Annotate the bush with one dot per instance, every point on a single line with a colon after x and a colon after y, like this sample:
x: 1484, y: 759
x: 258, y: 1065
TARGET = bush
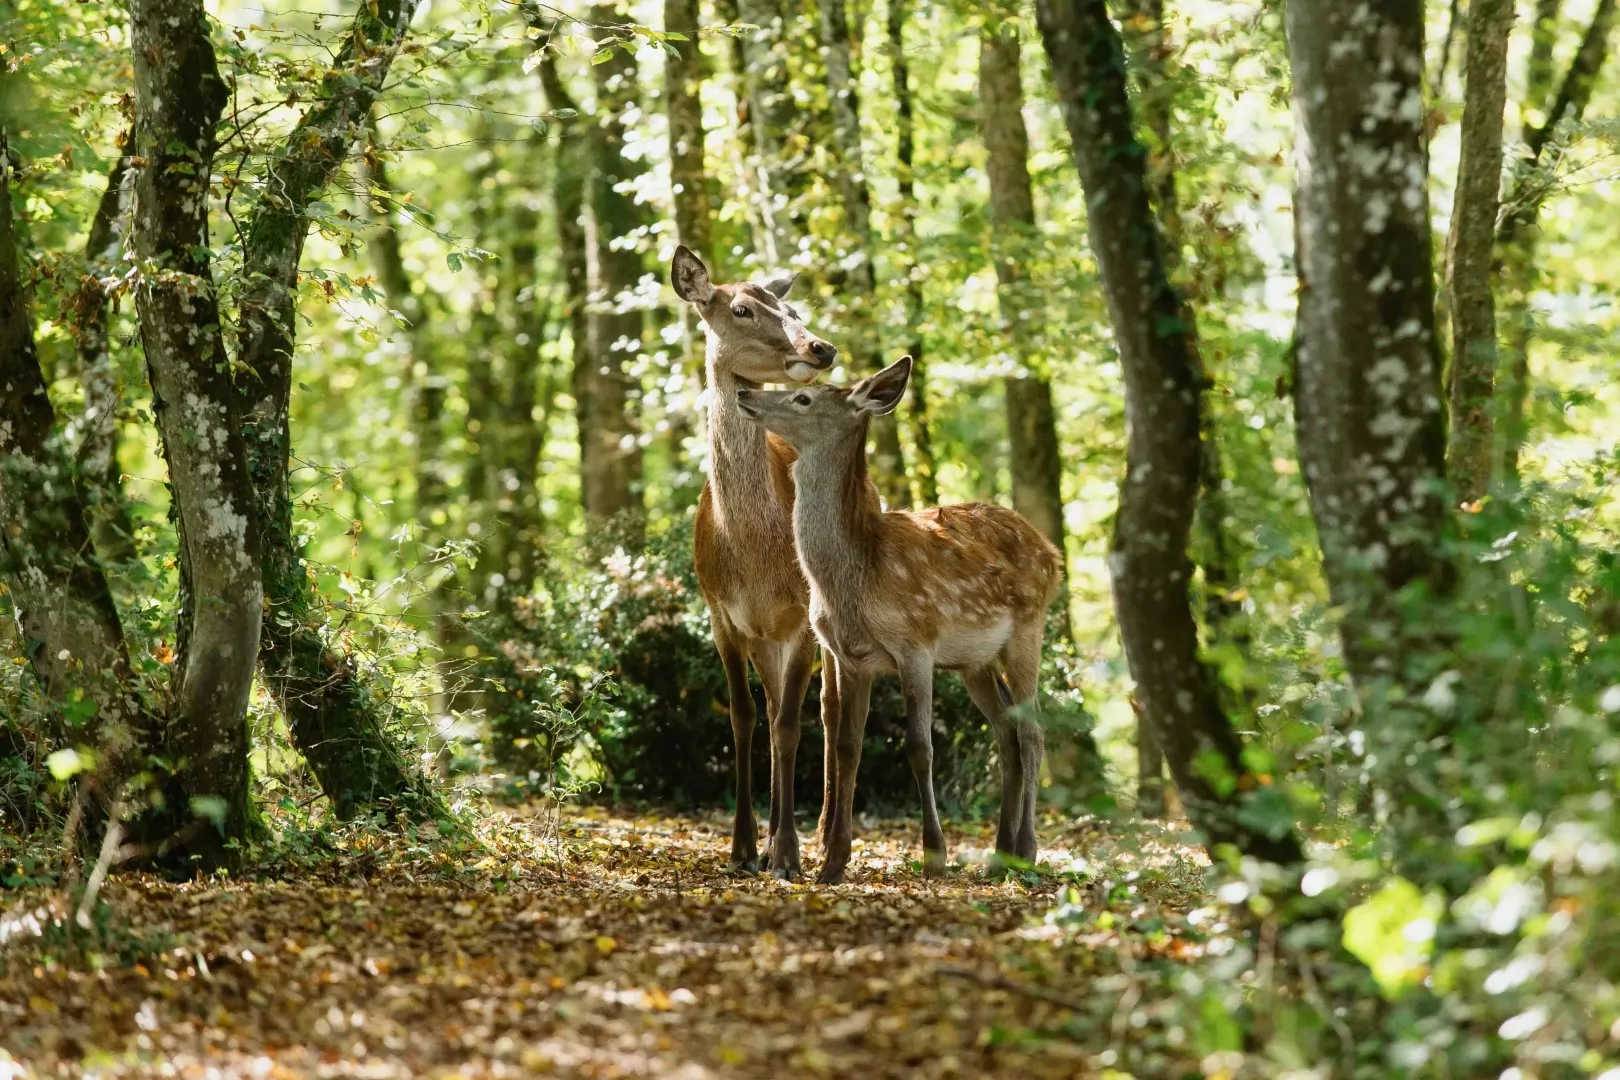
x: 607, y: 671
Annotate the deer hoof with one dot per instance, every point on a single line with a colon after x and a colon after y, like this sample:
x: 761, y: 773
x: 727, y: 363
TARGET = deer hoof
x: 786, y: 873
x: 743, y: 867
x: 933, y: 864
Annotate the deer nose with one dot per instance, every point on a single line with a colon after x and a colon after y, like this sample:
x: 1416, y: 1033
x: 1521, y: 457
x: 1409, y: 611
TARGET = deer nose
x: 823, y: 351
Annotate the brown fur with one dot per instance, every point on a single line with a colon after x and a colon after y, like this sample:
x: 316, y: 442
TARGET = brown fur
x: 963, y: 587
x: 746, y: 565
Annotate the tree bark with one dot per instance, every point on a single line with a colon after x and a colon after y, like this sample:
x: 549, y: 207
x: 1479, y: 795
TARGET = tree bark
x: 1367, y: 395
x: 773, y: 118
x: 1473, y: 233
x: 924, y: 467
x: 1151, y: 570
x: 179, y: 96
x: 480, y: 442
x: 97, y: 472
x: 1516, y: 235
x: 1036, y: 461
x: 689, y: 182
x: 568, y: 184
x: 683, y: 85
x: 517, y: 517
x: 70, y: 628
x: 1146, y: 37
x: 337, y: 722
x: 1538, y: 73
x: 856, y: 305
x: 425, y: 386
x: 609, y: 440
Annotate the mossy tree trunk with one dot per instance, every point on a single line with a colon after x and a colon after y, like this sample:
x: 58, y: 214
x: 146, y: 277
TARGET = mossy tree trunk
x: 1469, y: 250
x: 1516, y: 236
x: 337, y: 719
x: 1151, y: 569
x: 70, y: 630
x: 179, y: 96
x: 694, y: 217
x: 98, y: 473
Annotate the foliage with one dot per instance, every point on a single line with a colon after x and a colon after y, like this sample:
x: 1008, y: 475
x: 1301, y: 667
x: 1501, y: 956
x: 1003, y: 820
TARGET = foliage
x: 608, y: 673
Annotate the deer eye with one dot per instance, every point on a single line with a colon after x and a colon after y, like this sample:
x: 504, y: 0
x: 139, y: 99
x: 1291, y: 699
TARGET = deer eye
x: 801, y: 399
x: 741, y: 311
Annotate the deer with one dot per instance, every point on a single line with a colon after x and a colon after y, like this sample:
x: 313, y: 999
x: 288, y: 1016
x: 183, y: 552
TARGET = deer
x: 747, y: 568
x: 962, y: 587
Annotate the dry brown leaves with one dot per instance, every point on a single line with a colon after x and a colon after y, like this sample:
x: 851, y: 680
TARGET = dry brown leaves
x: 634, y: 955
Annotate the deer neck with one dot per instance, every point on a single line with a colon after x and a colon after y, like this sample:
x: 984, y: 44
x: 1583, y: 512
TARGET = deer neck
x: 739, y: 458
x: 835, y: 515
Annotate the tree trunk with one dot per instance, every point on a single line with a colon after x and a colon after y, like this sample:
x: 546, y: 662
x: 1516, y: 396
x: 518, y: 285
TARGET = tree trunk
x: 70, y: 629
x: 425, y: 387
x: 856, y: 304
x: 1539, y: 67
x: 1151, y: 570
x: 1367, y: 396
x: 779, y: 167
x: 97, y: 472
x: 1150, y: 802
x: 517, y: 516
x: 683, y: 84
x: 924, y: 467
x: 1036, y: 460
x: 611, y: 451
x: 480, y: 442
x: 179, y: 96
x: 1147, y: 39
x: 1473, y: 233
x: 1516, y: 235
x: 568, y: 185
x: 336, y: 721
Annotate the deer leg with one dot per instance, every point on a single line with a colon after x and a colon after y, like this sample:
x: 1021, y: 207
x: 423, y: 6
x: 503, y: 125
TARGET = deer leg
x: 917, y: 686
x: 767, y: 660
x: 983, y: 687
x: 795, y: 678
x: 744, y: 838
x: 829, y: 732
x: 854, y: 696
x: 1022, y: 659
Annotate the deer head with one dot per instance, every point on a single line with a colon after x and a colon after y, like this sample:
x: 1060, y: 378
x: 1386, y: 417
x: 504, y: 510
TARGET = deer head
x: 813, y: 417
x: 753, y: 332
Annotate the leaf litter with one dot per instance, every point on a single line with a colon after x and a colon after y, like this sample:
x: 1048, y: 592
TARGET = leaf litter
x: 608, y: 944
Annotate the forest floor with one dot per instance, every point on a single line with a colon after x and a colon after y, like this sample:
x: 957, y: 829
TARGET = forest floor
x: 606, y: 944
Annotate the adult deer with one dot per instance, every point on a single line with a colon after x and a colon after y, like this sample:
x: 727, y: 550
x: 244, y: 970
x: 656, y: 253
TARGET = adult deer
x: 743, y: 539
x: 961, y: 587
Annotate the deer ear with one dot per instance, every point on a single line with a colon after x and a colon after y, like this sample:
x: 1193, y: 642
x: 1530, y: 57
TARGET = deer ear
x: 879, y: 394
x: 781, y: 286
x: 690, y: 277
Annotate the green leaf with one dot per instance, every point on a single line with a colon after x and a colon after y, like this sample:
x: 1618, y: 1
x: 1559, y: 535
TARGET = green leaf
x: 65, y: 764
x: 453, y: 261
x: 1392, y: 932
x: 211, y: 807
x: 604, y: 53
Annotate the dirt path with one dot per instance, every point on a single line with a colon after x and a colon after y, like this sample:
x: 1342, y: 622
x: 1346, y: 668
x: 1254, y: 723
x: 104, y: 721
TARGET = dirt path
x: 636, y: 957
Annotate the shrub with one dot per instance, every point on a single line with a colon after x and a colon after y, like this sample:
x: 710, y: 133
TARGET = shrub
x: 613, y: 661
